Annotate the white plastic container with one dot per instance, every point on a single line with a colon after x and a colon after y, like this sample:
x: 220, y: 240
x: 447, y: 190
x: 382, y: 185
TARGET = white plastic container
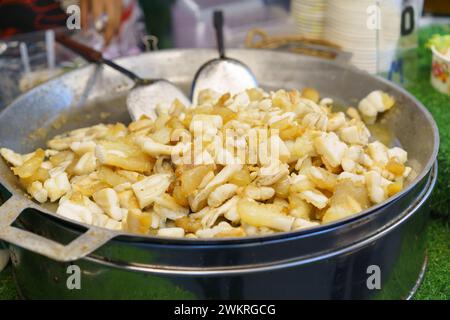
x: 440, y: 72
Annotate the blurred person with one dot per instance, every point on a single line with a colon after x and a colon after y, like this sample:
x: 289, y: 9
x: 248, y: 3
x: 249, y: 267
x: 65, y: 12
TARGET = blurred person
x: 117, y: 21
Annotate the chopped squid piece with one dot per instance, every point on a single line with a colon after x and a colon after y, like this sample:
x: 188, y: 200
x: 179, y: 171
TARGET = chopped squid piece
x: 138, y: 221
x: 38, y: 192
x: 330, y: 148
x: 151, y: 187
x: 376, y: 102
x: 315, y: 197
x: 221, y: 194
x: 253, y: 163
x: 108, y: 200
x: 57, y: 186
x: 259, y: 193
x: 262, y: 215
x: 171, y: 232
x: 10, y: 156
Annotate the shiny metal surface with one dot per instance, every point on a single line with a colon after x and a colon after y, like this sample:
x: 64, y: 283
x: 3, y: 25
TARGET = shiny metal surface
x: 83, y: 96
x: 143, y: 99
x: 146, y: 93
x: 399, y: 251
x: 223, y: 75
x: 419, y: 279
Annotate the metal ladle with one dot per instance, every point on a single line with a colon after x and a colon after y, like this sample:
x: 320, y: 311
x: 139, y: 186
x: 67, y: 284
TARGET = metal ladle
x: 146, y: 93
x: 223, y: 74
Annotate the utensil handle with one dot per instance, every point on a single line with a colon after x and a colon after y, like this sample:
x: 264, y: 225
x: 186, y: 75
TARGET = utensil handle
x: 86, y: 52
x: 85, y: 244
x: 93, y: 55
x: 218, y: 26
x: 133, y: 76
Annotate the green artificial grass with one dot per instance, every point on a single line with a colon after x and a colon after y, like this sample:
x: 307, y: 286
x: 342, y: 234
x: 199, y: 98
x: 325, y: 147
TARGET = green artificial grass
x: 436, y: 284
x: 439, y: 106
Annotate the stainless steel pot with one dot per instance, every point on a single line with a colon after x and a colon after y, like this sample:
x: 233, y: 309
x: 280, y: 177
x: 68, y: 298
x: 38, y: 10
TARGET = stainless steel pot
x: 335, y: 260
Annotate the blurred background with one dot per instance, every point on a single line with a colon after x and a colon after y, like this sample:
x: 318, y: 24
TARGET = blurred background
x: 388, y: 38
x: 379, y: 36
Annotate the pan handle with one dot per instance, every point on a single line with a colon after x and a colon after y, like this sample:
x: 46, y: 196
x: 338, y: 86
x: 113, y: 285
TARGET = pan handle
x: 85, y: 244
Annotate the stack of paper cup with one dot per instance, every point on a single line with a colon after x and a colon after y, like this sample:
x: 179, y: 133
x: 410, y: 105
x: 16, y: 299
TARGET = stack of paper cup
x: 309, y: 17
x: 369, y: 29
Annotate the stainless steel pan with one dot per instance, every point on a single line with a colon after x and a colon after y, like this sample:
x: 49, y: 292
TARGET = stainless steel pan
x: 83, y: 97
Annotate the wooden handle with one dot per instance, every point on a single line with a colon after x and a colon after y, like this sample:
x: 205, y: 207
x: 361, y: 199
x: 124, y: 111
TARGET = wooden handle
x: 95, y: 56
x: 86, y: 52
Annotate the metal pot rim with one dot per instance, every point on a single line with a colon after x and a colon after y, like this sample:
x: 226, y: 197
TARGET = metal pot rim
x: 317, y: 229
x: 273, y: 265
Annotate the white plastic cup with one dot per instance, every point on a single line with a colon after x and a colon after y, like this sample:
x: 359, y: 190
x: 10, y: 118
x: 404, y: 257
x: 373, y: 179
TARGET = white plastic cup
x: 440, y: 72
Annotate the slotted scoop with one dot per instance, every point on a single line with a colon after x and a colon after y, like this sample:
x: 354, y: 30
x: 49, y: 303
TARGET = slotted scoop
x: 223, y: 74
x: 146, y: 94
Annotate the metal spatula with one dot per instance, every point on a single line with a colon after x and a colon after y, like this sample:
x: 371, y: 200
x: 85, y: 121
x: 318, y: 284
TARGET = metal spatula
x: 145, y: 95
x: 223, y: 74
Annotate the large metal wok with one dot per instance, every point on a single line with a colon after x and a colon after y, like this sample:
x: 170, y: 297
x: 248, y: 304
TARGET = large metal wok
x: 330, y: 261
